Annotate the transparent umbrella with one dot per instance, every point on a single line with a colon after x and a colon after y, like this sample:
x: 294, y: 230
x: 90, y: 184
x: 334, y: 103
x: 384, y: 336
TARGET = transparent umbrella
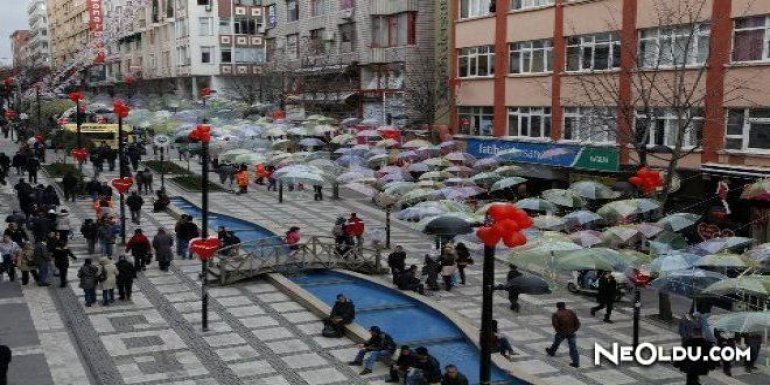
x: 549, y: 222
x: 536, y: 204
x: 506, y: 183
x: 343, y: 139
x: 460, y: 157
x: 678, y: 221
x: 508, y: 171
x: 716, y: 245
x: 593, y: 190
x: 561, y: 197
x: 543, y: 252
x: 582, y: 217
x: 438, y: 162
x: 417, y: 143
x: 724, y: 260
x: 744, y: 322
x: 687, y: 282
x: 311, y: 142
x: 757, y: 285
x: 593, y: 259
x: 486, y: 178
x: 673, y: 262
x: 418, y: 167
x: 587, y: 238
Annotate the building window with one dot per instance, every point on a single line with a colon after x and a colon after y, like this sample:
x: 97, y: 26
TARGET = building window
x: 525, y: 4
x: 245, y: 26
x: 292, y: 46
x: 476, y: 61
x: 748, y: 129
x: 317, y: 41
x: 393, y: 30
x: 317, y: 7
x: 476, y: 120
x: 473, y: 8
x: 597, y: 52
x: 347, y: 37
x: 675, y: 46
x: 530, y: 122
x: 204, y: 2
x: 249, y: 55
x: 531, y: 56
x: 666, y: 123
x: 347, y: 4
x: 226, y: 55
x: 205, y: 26
x: 590, y: 124
x: 751, y: 39
x: 206, y: 54
x: 292, y: 10
x: 224, y: 26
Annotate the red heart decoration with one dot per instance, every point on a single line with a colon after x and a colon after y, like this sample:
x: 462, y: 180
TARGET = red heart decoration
x: 501, y: 211
x: 80, y: 154
x: 488, y: 235
x: 201, y: 133
x: 514, y: 239
x: 123, y: 184
x: 204, y: 248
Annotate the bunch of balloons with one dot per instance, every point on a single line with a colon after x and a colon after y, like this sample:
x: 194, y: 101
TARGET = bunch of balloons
x: 646, y: 180
x: 121, y: 109
x: 505, y: 223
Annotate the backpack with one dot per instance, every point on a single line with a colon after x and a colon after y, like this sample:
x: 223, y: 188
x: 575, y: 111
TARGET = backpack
x: 329, y: 331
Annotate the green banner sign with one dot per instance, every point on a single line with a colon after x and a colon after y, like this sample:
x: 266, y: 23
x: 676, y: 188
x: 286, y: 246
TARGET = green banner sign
x: 598, y: 158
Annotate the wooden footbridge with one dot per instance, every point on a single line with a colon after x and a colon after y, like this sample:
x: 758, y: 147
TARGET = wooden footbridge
x: 271, y: 255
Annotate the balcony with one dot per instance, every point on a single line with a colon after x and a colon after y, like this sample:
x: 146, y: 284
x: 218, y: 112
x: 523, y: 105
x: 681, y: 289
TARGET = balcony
x: 392, y: 7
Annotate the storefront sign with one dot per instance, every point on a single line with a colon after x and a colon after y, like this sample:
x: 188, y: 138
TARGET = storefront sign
x: 549, y: 154
x: 95, y: 16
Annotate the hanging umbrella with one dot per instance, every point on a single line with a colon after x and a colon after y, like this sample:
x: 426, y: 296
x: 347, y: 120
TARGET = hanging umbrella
x: 541, y: 252
x: 756, y: 285
x: 362, y: 189
x: 548, y: 222
x: 760, y: 253
x: 508, y: 171
x: 311, y: 142
x: 486, y: 178
x: 368, y: 134
x: 506, y: 183
x: 416, y: 213
x: 447, y: 225
x: 688, y: 282
x: 350, y: 161
x: 487, y: 163
x: 344, y: 139
x: 483, y: 209
x: 593, y: 190
x: 723, y: 260
x: 230, y: 155
x: 528, y: 284
x: 250, y: 159
x: 435, y: 175
x: 304, y: 177
x: 408, y: 155
x: 275, y: 131
x: 460, y: 157
x: 589, y: 259
x: 586, y: 238
x: 459, y: 169
x: 716, y: 245
x: 744, y: 322
x: 437, y: 162
x: 536, y: 204
x: 624, y: 208
x: 325, y: 129
x: 649, y: 230
x: 678, y: 221
x: 354, y: 176
x: 561, y: 197
x: 418, y: 195
x: 418, y: 167
x: 673, y: 262
x: 387, y: 143
x: 581, y: 217
x: 759, y: 191
x: 417, y: 143
x: 281, y: 144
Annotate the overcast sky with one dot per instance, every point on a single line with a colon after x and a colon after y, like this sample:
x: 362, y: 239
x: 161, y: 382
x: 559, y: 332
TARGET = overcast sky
x: 13, y: 16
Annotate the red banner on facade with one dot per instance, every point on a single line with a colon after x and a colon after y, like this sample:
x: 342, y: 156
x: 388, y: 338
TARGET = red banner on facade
x: 95, y: 17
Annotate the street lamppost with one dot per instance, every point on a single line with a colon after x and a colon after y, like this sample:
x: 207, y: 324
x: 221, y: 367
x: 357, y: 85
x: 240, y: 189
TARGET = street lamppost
x: 202, y: 133
x: 121, y: 110
x: 161, y: 143
x: 388, y: 209
x: 76, y: 97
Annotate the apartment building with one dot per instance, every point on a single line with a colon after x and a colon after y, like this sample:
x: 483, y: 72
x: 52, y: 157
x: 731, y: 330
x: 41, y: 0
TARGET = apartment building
x: 349, y: 57
x: 68, y: 27
x: 186, y: 45
x: 20, y: 47
x: 39, y: 48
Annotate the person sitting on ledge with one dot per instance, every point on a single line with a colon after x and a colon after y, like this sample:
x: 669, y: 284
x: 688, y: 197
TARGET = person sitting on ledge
x: 380, y: 346
x: 343, y: 313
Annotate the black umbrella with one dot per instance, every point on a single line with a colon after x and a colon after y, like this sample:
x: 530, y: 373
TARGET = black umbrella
x: 447, y: 226
x: 528, y: 284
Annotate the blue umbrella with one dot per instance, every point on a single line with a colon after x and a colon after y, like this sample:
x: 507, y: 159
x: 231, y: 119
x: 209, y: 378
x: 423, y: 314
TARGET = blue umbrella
x: 688, y: 282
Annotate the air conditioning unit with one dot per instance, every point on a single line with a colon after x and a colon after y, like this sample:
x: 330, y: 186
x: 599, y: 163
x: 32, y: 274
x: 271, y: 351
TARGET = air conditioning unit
x: 346, y: 13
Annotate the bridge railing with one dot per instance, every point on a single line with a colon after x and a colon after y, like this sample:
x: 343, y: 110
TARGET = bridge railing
x: 269, y: 255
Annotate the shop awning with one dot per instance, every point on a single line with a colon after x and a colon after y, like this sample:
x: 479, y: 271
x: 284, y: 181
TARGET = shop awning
x: 746, y: 172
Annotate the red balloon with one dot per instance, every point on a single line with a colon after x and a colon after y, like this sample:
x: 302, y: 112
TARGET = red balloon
x: 204, y: 248
x: 201, y: 133
x: 656, y: 179
x: 488, y: 235
x: 636, y: 181
x: 507, y: 226
x: 522, y: 218
x: 515, y: 239
x: 501, y: 211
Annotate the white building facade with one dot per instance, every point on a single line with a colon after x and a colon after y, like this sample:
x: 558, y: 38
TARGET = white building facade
x: 39, y: 44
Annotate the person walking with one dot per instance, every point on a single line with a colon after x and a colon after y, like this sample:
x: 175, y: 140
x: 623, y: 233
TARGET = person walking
x: 148, y: 181
x: 107, y: 233
x: 452, y: 376
x: 694, y: 368
x: 397, y: 262
x: 5, y: 360
x: 70, y: 186
x: 88, y: 274
x: 140, y: 249
x: 125, y: 278
x: 135, y: 203
x: 89, y: 231
x: 318, y: 194
x: 356, y: 228
x: 752, y: 340
x: 42, y: 259
x: 513, y: 293
x: 379, y: 346
x: 9, y: 254
x: 162, y: 244
x: 107, y: 278
x: 33, y: 166
x: 111, y: 156
x: 463, y: 260
x: 565, y: 323
x: 61, y: 259
x: 448, y: 268
x: 63, y: 226
x: 26, y: 262
x: 608, y: 287
x: 139, y: 179
x: 225, y: 173
x: 242, y: 176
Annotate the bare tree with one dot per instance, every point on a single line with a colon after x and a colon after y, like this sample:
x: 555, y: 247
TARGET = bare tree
x: 667, y: 84
x: 427, y: 92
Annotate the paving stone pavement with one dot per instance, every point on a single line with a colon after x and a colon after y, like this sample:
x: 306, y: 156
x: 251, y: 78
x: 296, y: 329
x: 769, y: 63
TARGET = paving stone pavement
x: 258, y: 336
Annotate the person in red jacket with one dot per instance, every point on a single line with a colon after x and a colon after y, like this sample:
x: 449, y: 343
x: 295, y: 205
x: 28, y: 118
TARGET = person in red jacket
x: 292, y: 238
x: 355, y: 228
x: 140, y: 248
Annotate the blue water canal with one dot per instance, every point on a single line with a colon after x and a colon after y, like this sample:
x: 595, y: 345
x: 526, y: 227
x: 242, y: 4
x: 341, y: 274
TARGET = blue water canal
x: 409, y: 321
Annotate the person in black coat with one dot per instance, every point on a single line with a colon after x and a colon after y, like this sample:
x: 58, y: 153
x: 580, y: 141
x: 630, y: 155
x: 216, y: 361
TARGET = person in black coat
x: 513, y: 294
x: 5, y: 360
x: 397, y: 262
x: 608, y: 287
x: 125, y: 278
x: 61, y: 256
x: 135, y: 203
x: 694, y: 369
x: 70, y: 186
x: 343, y: 313
x: 94, y: 188
x: 429, y: 369
x: 33, y: 166
x: 453, y: 377
x: 405, y: 360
